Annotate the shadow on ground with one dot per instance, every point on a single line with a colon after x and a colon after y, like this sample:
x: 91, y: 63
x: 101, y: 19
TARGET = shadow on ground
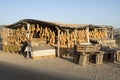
x: 14, y: 72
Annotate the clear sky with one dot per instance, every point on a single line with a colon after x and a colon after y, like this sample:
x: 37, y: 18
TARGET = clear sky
x: 99, y: 12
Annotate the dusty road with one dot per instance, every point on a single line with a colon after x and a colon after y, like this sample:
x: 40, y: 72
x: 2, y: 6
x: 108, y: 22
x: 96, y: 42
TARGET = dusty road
x: 16, y: 67
x: 14, y: 72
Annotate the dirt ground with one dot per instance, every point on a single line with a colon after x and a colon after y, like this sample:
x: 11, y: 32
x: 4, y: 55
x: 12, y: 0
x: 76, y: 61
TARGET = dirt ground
x: 106, y: 71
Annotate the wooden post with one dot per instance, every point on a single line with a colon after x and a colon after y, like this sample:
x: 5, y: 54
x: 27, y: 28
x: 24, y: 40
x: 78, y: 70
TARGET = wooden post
x: 88, y: 38
x: 112, y: 33
x: 75, y: 36
x: 84, y: 59
x: 58, y: 43
x: 118, y: 55
x: 28, y: 28
x: 68, y: 44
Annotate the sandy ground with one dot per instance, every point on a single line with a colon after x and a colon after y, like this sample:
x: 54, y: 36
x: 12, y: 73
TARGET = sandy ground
x: 106, y: 71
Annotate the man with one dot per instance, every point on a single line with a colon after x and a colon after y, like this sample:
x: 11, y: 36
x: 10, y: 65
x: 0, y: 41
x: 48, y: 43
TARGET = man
x: 28, y: 49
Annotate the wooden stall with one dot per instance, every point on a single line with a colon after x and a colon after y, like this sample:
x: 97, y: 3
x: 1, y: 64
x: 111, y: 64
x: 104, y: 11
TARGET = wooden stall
x: 63, y: 37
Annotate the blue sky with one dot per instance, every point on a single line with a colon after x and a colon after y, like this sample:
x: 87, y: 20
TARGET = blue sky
x: 99, y: 12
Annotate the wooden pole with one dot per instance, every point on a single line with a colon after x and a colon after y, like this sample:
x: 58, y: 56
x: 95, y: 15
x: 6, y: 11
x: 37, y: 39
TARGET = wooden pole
x: 112, y: 34
x: 68, y: 44
x: 88, y: 38
x: 28, y: 28
x: 58, y: 43
x: 75, y: 36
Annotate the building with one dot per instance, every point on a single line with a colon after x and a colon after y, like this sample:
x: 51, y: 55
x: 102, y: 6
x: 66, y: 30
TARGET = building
x: 61, y: 36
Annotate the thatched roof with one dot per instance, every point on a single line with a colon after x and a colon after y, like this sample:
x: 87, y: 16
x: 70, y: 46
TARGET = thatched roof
x: 47, y: 23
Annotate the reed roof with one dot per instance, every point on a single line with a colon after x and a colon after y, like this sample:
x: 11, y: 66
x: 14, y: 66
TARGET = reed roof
x: 48, y: 23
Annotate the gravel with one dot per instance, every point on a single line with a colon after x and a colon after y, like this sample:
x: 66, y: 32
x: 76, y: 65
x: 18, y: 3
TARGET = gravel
x: 106, y: 71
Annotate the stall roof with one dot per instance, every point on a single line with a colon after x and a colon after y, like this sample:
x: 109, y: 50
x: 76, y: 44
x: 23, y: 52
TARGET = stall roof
x: 62, y: 25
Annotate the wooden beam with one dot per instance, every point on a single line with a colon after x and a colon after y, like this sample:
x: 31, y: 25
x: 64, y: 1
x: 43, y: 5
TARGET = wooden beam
x: 112, y: 34
x: 88, y: 38
x: 58, y: 43
x: 75, y: 36
x: 68, y: 44
x: 28, y: 32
